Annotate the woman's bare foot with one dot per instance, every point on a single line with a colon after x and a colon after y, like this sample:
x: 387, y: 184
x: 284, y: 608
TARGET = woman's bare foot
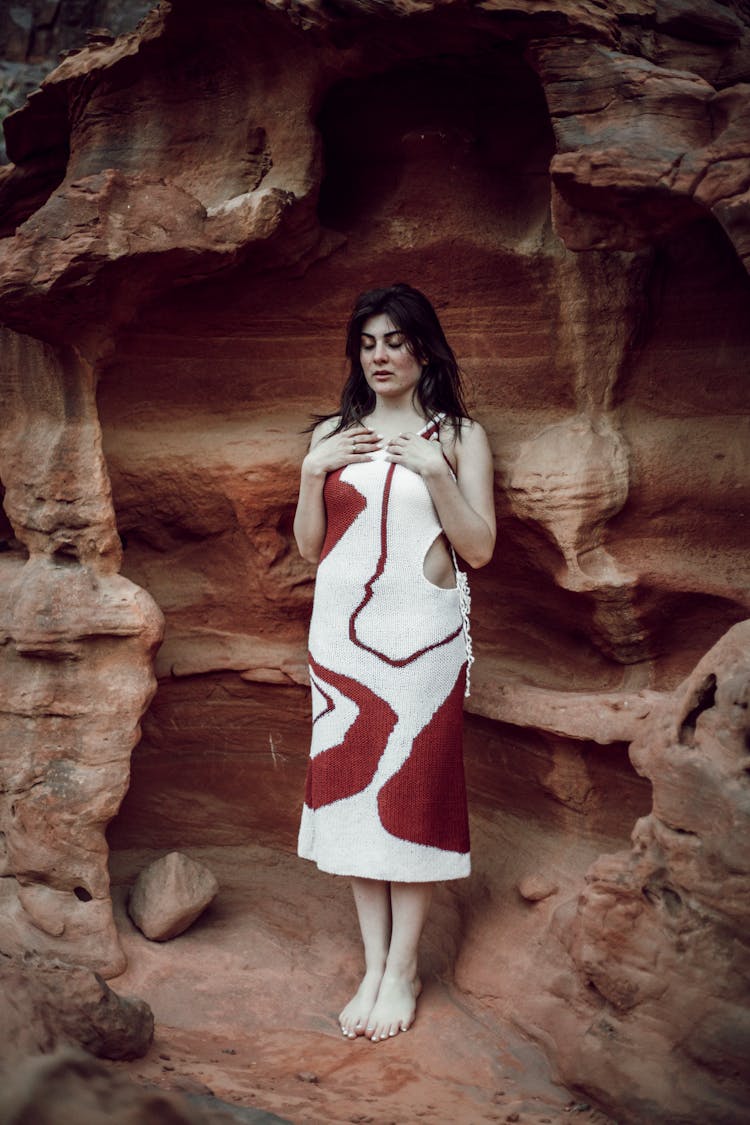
x: 395, y: 1008
x: 354, y: 1017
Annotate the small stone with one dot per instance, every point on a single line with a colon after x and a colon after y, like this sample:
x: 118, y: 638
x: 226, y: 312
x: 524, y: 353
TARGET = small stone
x: 228, y: 1051
x: 534, y: 888
x: 170, y: 894
x: 308, y: 1076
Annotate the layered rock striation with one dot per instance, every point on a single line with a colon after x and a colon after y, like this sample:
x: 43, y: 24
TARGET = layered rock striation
x: 188, y: 212
x: 645, y: 977
x: 77, y: 651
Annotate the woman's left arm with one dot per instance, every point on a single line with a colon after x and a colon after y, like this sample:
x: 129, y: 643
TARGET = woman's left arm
x: 465, y: 504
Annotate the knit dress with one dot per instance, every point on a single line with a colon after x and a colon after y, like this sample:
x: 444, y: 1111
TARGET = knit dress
x: 385, y: 796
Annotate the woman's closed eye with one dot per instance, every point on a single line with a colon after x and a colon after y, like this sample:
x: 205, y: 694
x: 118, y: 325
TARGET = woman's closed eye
x: 394, y: 343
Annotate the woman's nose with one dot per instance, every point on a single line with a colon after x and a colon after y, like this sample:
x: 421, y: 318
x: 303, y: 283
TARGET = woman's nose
x: 381, y: 353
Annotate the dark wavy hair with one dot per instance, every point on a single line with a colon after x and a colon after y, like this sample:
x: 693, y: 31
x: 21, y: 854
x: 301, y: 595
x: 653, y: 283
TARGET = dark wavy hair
x: 439, y: 390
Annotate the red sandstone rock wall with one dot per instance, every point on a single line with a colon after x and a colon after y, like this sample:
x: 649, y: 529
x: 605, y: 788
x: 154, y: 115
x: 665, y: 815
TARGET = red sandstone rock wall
x: 188, y: 215
x: 77, y: 649
x: 642, y: 984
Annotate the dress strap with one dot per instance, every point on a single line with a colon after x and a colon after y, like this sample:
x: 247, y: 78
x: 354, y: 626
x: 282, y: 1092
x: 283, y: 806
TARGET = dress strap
x: 431, y: 429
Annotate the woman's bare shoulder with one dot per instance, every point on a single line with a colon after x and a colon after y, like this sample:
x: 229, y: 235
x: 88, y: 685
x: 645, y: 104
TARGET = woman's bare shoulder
x: 470, y: 444
x: 471, y: 426
x: 467, y: 430
x: 324, y: 429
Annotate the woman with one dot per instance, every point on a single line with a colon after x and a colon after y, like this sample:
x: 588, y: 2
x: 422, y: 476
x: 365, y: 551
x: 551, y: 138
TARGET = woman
x: 391, y: 486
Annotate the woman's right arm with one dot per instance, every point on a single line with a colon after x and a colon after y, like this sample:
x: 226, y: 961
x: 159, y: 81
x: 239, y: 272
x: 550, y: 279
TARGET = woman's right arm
x: 326, y: 454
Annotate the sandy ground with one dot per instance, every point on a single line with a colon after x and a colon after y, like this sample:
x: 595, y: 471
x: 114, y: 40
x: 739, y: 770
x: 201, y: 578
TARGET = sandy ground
x: 245, y: 1004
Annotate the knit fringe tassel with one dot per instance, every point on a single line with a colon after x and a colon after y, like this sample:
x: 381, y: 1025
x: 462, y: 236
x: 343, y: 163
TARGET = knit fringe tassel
x: 464, y: 601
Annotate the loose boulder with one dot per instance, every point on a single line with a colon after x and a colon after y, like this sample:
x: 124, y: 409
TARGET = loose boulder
x: 170, y: 894
x: 537, y: 887
x: 47, y: 1003
x: 71, y: 1086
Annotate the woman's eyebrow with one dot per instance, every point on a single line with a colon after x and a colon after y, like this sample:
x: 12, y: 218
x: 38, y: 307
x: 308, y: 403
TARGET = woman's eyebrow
x: 393, y: 332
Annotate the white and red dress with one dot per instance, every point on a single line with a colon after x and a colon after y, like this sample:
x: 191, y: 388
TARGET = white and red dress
x: 385, y: 795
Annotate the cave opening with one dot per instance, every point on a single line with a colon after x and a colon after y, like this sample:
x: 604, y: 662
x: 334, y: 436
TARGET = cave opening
x: 703, y: 699
x: 10, y: 546
x: 417, y: 141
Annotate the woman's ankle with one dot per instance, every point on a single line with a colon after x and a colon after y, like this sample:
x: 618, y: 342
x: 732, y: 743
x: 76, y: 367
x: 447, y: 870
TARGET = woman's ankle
x: 400, y: 969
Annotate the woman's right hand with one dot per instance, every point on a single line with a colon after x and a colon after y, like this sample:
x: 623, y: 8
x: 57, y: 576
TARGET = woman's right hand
x: 346, y: 448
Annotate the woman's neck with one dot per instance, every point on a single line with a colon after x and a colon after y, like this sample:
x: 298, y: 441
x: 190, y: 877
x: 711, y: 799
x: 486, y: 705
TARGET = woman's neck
x: 390, y: 417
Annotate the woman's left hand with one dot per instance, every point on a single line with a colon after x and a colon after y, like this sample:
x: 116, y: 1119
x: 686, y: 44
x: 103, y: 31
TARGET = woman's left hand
x: 417, y: 453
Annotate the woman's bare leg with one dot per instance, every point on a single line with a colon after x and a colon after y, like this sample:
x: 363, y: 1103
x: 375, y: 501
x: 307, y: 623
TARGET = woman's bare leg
x: 400, y: 986
x: 373, y: 902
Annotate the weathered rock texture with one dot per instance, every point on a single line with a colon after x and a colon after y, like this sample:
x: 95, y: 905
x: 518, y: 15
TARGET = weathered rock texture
x: 645, y: 986
x: 47, y: 1004
x: 77, y: 641
x: 170, y: 894
x: 70, y: 1086
x: 188, y: 214
x: 35, y: 34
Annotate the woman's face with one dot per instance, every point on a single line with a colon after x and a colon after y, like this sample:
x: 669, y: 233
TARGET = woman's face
x: 391, y: 368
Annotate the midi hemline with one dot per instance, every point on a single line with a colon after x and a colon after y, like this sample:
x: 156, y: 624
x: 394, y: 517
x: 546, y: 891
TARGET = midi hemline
x: 382, y: 877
